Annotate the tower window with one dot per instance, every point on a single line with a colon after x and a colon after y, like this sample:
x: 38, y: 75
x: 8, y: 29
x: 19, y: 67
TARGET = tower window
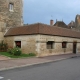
x: 11, y: 6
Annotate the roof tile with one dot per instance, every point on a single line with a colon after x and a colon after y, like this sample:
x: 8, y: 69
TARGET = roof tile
x: 40, y: 28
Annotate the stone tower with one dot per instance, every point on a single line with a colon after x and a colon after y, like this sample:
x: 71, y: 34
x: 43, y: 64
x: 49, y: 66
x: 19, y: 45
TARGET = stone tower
x: 11, y: 13
x: 77, y: 22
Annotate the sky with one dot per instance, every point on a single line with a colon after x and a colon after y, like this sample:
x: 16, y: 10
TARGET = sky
x: 43, y: 11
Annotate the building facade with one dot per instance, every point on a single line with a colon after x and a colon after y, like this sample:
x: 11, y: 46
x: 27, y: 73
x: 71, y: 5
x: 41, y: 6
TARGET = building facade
x: 44, y: 40
x: 44, y: 45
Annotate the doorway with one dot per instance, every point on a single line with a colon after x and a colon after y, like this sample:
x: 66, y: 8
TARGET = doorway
x: 74, y: 47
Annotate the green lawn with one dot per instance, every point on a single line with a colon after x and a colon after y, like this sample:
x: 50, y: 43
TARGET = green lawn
x: 12, y: 56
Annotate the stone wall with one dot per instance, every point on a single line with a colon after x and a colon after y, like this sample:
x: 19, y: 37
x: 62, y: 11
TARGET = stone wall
x: 37, y: 44
x: 1, y: 36
x: 58, y: 45
x: 2, y: 26
x: 11, y: 18
x: 2, y: 30
x: 77, y: 22
x: 28, y: 43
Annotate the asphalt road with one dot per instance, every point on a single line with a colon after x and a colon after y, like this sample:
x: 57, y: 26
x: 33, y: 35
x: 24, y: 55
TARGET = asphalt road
x: 62, y: 70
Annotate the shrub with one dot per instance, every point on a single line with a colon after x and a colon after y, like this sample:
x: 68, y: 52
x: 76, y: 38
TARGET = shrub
x: 15, y: 51
x: 3, y: 46
x: 9, y: 51
x: 32, y: 54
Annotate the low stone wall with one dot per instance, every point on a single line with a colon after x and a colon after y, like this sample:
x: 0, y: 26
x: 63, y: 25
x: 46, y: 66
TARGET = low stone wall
x: 37, y: 44
x: 28, y: 43
x: 57, y: 49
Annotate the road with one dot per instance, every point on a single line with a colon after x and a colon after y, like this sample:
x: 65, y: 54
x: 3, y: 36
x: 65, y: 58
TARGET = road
x: 62, y: 70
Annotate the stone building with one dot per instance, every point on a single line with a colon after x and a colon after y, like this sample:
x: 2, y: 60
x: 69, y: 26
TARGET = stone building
x: 71, y: 25
x: 11, y: 15
x: 74, y: 25
x: 77, y: 22
x: 11, y: 12
x: 38, y: 38
x: 44, y: 39
x: 60, y: 24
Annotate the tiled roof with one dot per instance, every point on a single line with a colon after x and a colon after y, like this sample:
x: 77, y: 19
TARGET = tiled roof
x: 71, y: 24
x: 40, y: 28
x: 60, y: 24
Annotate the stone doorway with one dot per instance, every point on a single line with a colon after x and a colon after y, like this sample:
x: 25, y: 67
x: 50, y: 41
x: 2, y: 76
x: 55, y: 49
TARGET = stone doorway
x: 74, y: 47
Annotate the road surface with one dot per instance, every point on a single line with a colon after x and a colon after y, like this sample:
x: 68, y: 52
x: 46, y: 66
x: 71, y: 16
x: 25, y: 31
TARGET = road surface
x: 62, y: 70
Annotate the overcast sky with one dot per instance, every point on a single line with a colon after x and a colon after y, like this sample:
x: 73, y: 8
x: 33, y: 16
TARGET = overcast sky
x: 43, y: 10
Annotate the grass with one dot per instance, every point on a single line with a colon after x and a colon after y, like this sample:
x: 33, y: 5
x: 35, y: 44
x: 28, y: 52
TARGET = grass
x: 13, y: 56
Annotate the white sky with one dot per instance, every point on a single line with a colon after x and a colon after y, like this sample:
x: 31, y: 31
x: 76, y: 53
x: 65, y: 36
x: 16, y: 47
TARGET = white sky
x: 42, y: 10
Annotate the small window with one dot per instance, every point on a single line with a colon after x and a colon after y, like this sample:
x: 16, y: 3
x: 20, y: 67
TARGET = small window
x: 64, y: 44
x: 50, y: 44
x: 11, y: 6
x: 18, y: 44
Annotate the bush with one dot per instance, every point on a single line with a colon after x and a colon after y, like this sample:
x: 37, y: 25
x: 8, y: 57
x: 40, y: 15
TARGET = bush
x: 3, y: 46
x: 32, y: 54
x: 9, y: 51
x: 15, y: 51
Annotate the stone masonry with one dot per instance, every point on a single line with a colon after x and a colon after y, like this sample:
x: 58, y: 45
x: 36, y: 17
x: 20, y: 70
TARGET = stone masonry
x: 12, y: 18
x: 77, y: 22
x: 11, y: 12
x: 37, y: 44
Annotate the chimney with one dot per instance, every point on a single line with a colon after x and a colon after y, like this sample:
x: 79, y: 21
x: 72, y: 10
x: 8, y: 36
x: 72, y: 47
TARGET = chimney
x: 51, y: 22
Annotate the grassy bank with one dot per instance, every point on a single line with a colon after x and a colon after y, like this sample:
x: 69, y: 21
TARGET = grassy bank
x: 13, y: 56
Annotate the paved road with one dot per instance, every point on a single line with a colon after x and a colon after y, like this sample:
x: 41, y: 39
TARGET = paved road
x: 12, y: 63
x: 62, y: 70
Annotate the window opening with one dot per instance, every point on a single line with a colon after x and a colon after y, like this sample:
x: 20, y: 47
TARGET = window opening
x: 18, y: 44
x: 11, y: 6
x: 50, y: 44
x: 64, y: 44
